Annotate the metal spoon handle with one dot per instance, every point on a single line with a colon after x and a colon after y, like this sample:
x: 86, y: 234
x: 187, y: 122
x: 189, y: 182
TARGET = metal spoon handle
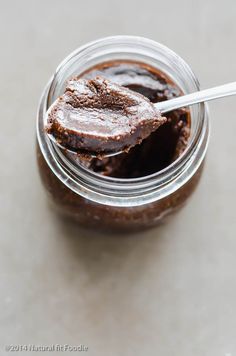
x: 197, y: 97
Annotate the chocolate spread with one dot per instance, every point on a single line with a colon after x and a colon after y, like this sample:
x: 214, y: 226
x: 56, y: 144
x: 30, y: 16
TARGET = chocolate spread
x: 99, y: 117
x: 155, y: 153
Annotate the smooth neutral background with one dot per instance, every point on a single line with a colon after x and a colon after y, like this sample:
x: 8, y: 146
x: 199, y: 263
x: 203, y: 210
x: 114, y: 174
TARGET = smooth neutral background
x: 169, y: 291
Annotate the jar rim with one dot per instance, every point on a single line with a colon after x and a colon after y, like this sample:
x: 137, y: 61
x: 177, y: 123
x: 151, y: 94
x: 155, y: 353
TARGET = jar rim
x: 108, y: 185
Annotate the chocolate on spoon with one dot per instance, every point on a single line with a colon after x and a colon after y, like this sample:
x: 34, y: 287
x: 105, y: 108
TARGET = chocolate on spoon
x: 99, y: 118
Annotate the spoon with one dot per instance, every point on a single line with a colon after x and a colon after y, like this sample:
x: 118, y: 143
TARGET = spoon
x: 169, y: 105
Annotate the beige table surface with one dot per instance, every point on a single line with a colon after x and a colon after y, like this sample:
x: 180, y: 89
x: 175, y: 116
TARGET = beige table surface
x: 169, y: 291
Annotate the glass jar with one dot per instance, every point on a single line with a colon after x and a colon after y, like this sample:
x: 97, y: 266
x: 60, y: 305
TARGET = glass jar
x: 128, y: 204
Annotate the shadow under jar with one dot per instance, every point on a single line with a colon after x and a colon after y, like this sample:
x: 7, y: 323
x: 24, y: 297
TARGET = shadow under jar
x: 140, y: 188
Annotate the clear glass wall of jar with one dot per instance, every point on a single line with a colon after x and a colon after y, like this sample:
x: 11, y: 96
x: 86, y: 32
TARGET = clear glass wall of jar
x: 98, y: 201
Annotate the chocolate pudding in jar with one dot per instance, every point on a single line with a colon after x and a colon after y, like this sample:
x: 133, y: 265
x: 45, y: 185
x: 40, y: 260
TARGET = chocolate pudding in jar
x: 139, y: 188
